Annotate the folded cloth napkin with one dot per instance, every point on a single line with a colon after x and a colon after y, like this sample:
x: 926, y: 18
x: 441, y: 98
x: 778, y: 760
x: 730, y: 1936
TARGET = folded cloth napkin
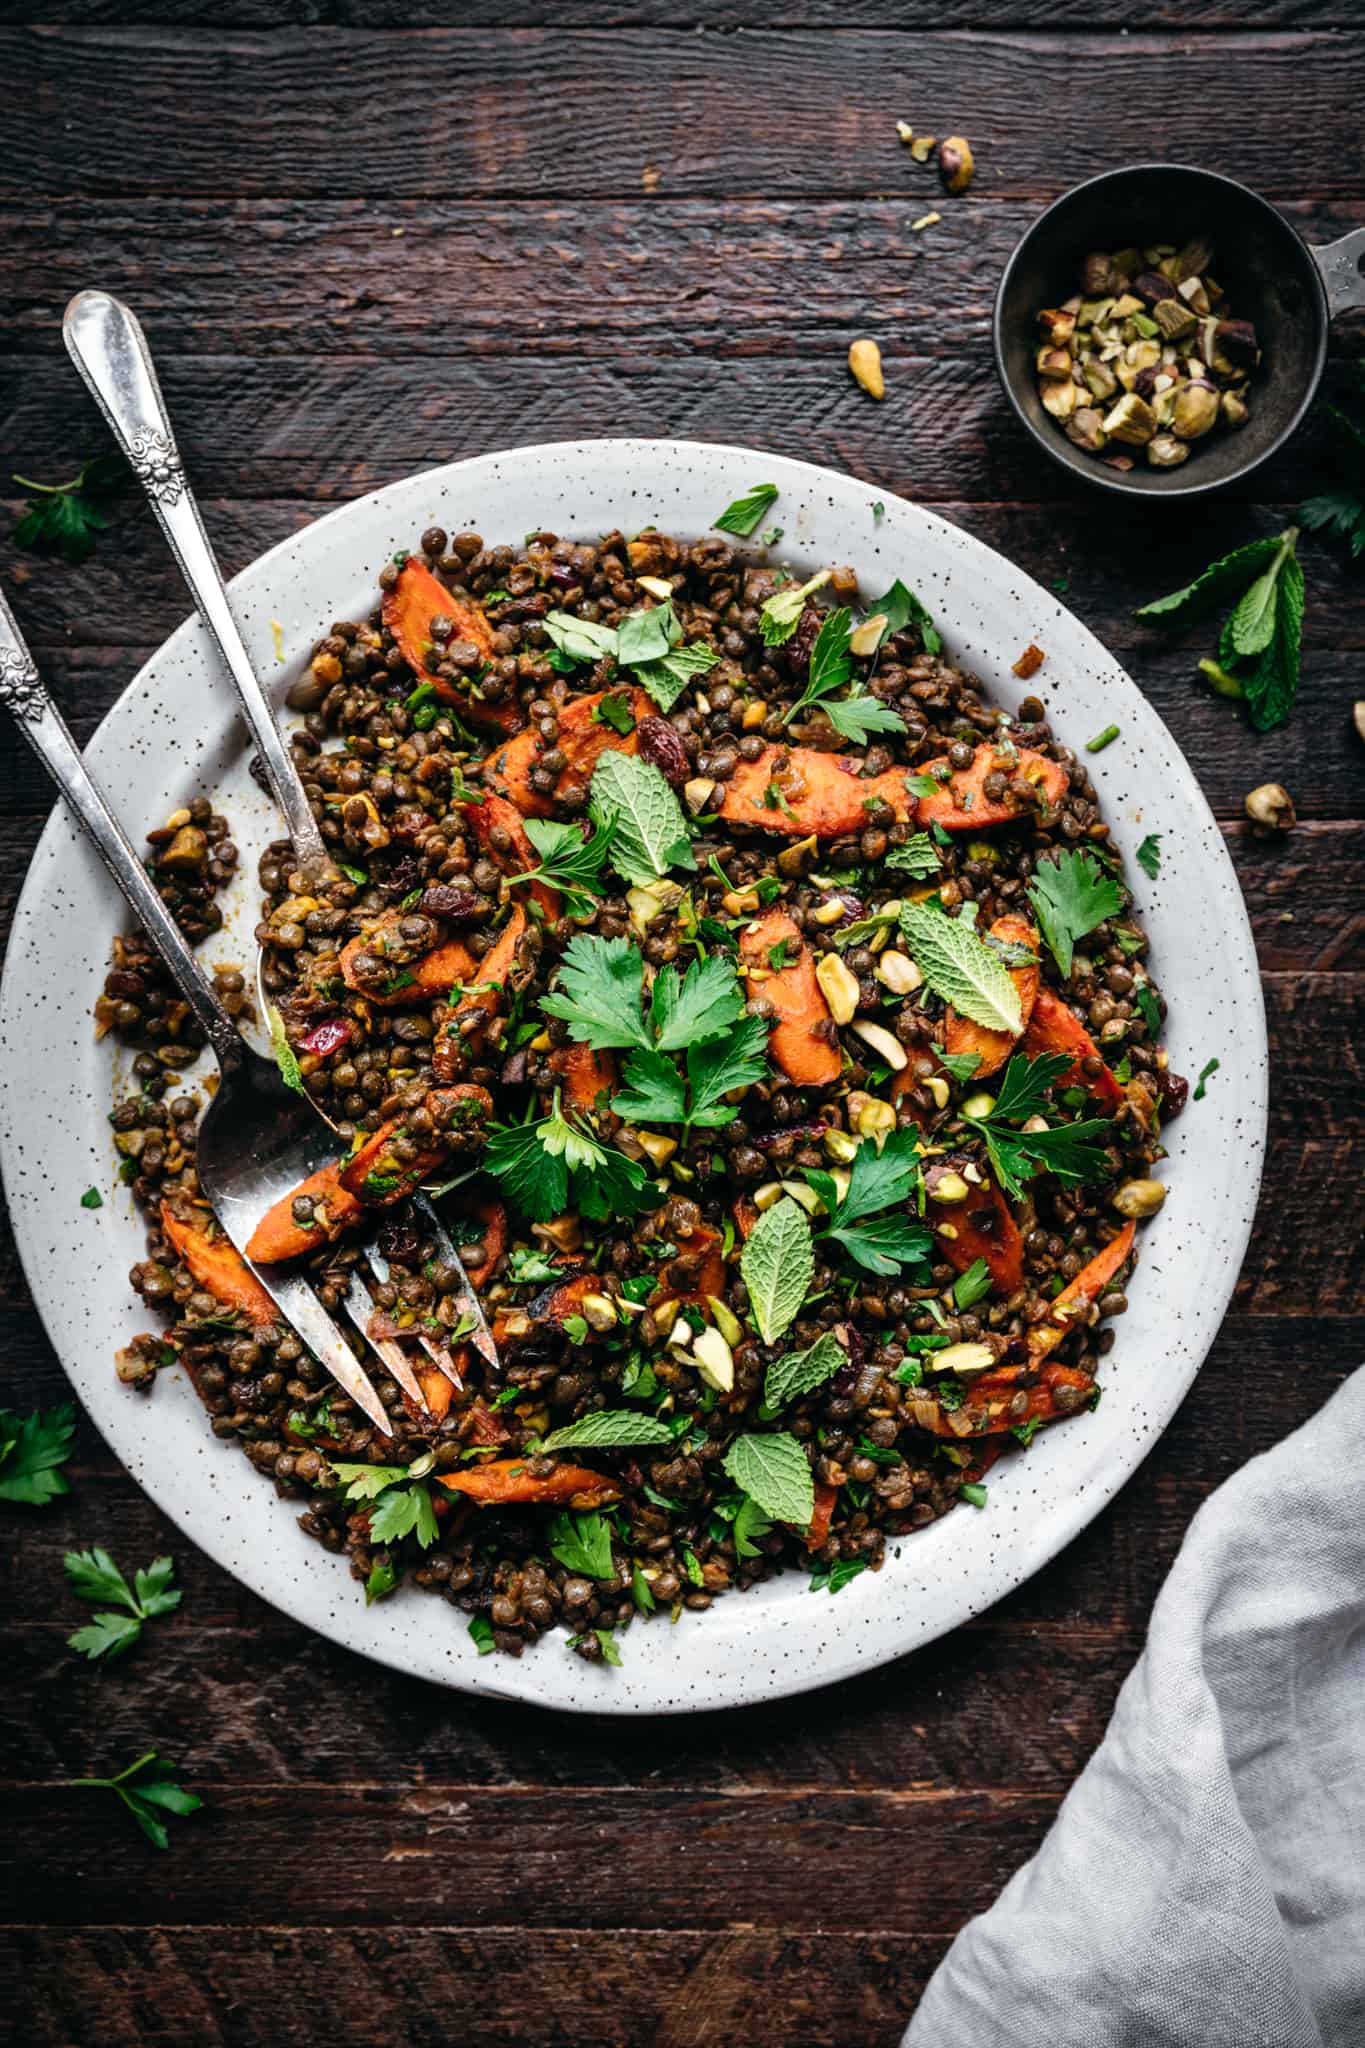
x: 1204, y: 1882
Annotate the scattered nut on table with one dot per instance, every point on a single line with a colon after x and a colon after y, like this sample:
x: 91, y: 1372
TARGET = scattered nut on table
x: 1146, y: 355
x: 955, y: 162
x: 865, y: 361
x: 1358, y: 717
x: 1271, y: 807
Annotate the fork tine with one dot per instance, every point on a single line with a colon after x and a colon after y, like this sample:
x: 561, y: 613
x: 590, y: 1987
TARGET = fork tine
x: 437, y: 1353
x: 467, y: 1301
x: 360, y: 1305
x: 311, y: 1323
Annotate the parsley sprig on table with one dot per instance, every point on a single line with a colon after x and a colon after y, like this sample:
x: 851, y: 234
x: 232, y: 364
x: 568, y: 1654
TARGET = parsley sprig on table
x: 33, y: 1448
x: 148, y: 1791
x: 1259, y: 645
x: 65, y: 519
x: 94, y: 1576
x: 1072, y: 1152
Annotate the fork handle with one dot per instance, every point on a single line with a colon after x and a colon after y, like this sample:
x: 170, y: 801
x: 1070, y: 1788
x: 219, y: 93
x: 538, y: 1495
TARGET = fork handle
x: 106, y: 343
x: 26, y: 697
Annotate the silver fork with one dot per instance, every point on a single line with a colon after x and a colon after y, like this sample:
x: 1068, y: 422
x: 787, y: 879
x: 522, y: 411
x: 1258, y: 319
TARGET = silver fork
x: 106, y: 343
x: 258, y: 1139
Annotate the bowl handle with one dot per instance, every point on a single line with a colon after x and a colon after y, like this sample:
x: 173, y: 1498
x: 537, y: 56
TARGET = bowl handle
x: 1339, y: 265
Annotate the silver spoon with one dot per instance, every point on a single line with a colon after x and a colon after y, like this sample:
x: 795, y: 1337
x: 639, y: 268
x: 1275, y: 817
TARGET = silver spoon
x: 106, y: 343
x: 258, y: 1139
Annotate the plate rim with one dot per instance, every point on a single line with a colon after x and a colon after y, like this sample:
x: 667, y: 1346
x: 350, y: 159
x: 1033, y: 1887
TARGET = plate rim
x: 1068, y: 1514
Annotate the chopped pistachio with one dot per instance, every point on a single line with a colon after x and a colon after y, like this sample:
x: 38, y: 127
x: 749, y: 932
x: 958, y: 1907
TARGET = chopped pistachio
x: 923, y: 147
x: 1195, y: 410
x: 1132, y: 420
x: 955, y: 163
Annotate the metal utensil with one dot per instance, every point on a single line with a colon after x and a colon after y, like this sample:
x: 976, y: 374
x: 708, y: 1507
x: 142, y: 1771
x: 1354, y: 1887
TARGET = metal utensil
x: 258, y: 1139
x: 1290, y: 292
x: 106, y: 343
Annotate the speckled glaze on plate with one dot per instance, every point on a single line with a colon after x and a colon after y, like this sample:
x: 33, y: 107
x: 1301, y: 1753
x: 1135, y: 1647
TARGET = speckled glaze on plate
x: 175, y: 732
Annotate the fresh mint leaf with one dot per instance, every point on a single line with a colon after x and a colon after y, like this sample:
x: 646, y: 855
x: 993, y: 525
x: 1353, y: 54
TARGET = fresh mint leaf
x: 580, y: 640
x: 800, y: 1372
x: 777, y: 1263
x: 1220, y: 580
x: 961, y: 969
x: 1251, y: 625
x: 743, y: 514
x: 775, y: 1473
x: 610, y: 1427
x: 973, y: 1285
x: 749, y: 1524
x: 1272, y: 686
x: 960, y: 1065
x: 614, y: 710
x: 651, y: 833
x: 919, y: 857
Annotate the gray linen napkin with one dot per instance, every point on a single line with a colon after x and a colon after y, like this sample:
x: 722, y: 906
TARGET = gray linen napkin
x: 1204, y: 1883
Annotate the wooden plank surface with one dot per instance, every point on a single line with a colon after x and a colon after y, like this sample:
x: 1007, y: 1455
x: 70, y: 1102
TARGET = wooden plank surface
x: 365, y: 242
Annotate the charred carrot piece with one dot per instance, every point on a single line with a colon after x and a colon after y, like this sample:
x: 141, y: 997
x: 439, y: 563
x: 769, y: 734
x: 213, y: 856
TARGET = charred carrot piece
x: 495, y: 815
x: 278, y: 1237
x: 587, y: 1075
x: 495, y: 966
x: 993, y: 1404
x: 1054, y: 1027
x: 486, y: 1216
x: 699, y: 1269
x: 801, y: 1014
x: 798, y: 790
x: 376, y: 1178
x: 218, y: 1267
x: 1085, y: 1290
x: 961, y: 803
x: 504, y: 1481
x: 415, y: 600
x: 818, y: 1532
x: 444, y: 968
x: 983, y: 1227
x: 508, y: 773
x: 584, y: 738
x: 993, y: 1048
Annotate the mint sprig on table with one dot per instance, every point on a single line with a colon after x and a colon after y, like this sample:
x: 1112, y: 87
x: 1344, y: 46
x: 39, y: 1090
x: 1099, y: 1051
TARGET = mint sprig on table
x: 1260, y: 642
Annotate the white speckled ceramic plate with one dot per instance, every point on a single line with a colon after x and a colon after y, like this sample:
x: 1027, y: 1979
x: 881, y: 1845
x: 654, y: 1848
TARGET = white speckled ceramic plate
x: 174, y: 732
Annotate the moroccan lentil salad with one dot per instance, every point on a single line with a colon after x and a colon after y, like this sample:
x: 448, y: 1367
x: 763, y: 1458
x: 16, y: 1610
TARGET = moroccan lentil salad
x: 771, y: 1014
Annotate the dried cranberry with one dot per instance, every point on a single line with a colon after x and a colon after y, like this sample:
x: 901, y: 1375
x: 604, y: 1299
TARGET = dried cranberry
x: 456, y: 906
x: 409, y: 823
x: 399, y: 1238
x: 661, y: 745
x: 1175, y: 1093
x: 324, y: 1038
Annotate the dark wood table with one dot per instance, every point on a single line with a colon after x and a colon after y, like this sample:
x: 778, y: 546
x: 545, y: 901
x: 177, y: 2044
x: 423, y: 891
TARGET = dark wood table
x: 364, y: 249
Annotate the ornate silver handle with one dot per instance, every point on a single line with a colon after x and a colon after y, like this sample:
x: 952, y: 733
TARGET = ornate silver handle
x: 108, y: 347
x: 1341, y: 265
x: 26, y: 697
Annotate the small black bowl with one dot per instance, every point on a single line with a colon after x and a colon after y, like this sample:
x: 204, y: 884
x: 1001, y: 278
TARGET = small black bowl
x: 1288, y: 291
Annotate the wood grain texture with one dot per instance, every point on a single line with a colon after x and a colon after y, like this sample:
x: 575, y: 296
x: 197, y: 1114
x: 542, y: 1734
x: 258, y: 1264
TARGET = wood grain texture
x: 807, y: 111
x: 612, y: 220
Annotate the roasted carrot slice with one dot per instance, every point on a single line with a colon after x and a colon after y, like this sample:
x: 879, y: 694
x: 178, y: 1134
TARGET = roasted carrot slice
x: 444, y: 968
x: 504, y: 1481
x: 961, y: 803
x: 219, y: 1268
x: 799, y: 790
x: 818, y: 1531
x: 698, y: 1270
x: 496, y: 815
x: 437, y: 1391
x: 1055, y: 1027
x: 588, y: 1076
x: 1087, y: 1287
x: 961, y: 1035
x: 277, y: 1236
x: 377, y: 1179
x: 993, y: 1405
x: 415, y: 600
x: 484, y: 1221
x: 796, y: 1040
x: 983, y: 1227
x: 495, y: 966
x: 508, y: 772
